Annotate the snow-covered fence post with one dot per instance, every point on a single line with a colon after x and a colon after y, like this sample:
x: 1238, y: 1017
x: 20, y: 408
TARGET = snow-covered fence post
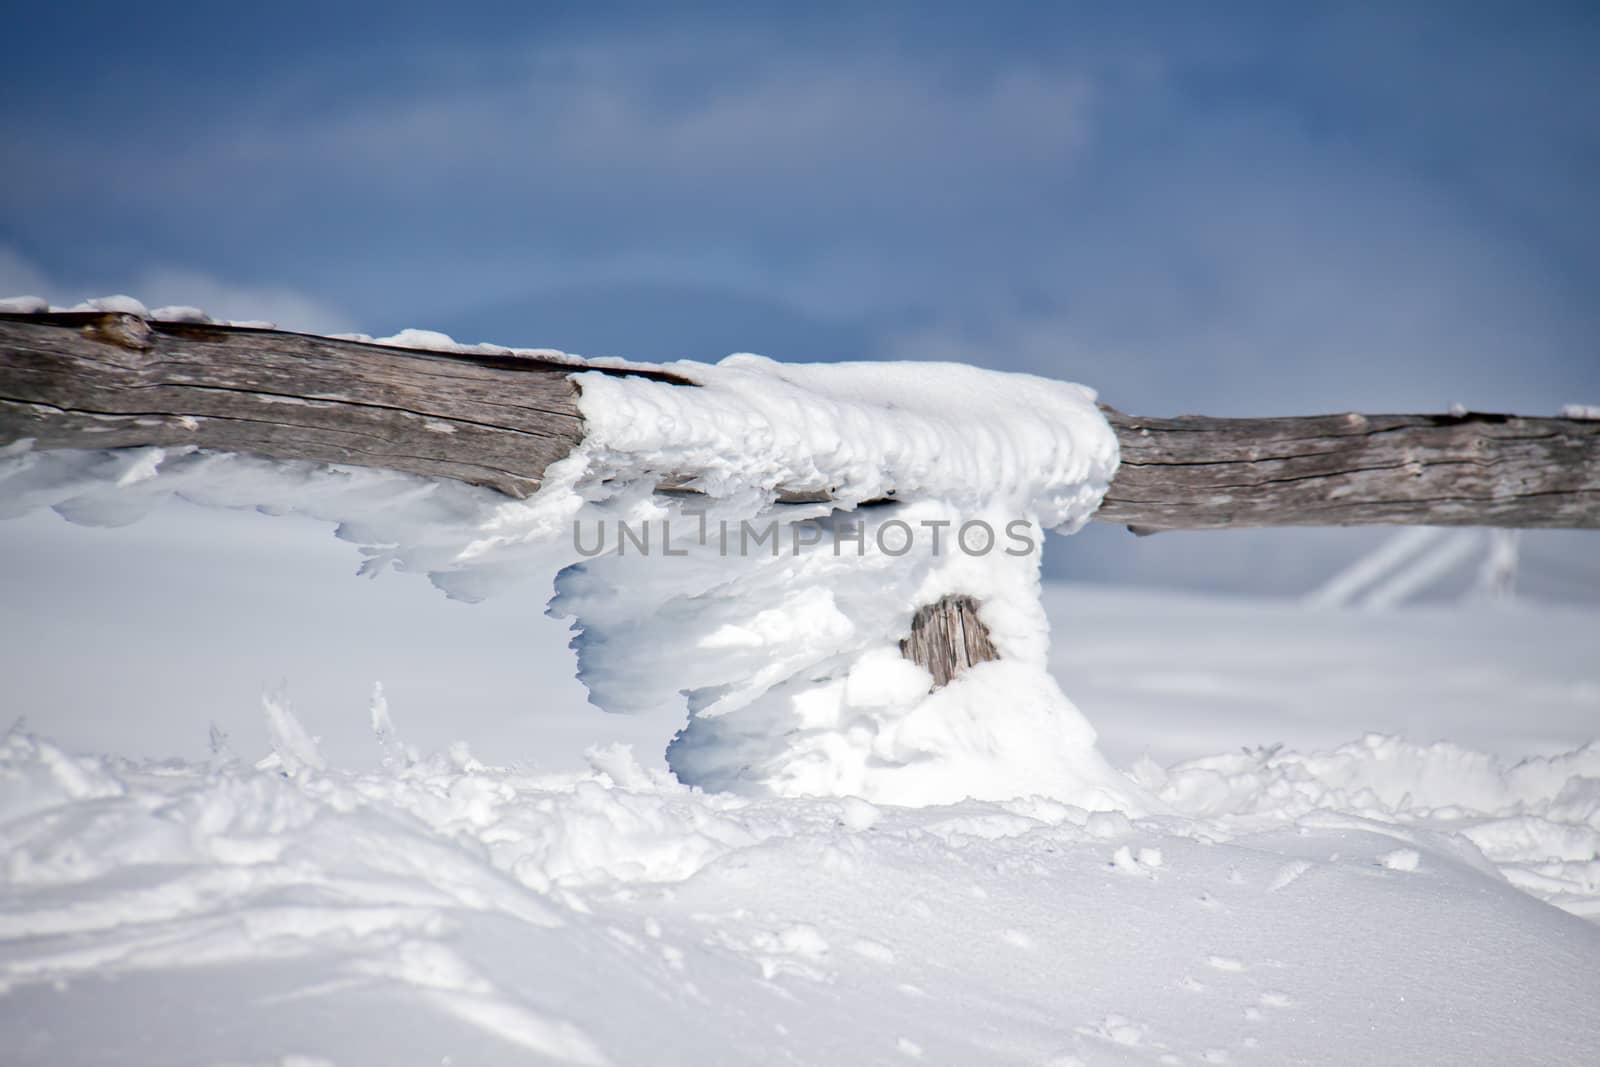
x: 499, y: 418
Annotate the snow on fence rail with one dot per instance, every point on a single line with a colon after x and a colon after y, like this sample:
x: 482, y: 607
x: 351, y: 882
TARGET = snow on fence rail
x: 793, y: 663
x: 500, y: 417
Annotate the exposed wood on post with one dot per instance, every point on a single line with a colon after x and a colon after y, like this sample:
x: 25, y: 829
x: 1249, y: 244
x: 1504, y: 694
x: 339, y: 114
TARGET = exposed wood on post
x: 105, y: 380
x: 1197, y: 473
x: 947, y: 637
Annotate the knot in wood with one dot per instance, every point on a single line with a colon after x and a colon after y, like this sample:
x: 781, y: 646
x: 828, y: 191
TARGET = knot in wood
x: 120, y: 329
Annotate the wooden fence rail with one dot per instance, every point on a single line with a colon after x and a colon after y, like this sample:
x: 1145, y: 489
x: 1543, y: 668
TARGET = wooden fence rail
x: 108, y: 380
x: 111, y: 380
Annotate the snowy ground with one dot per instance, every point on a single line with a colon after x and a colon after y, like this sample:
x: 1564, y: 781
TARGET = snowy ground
x: 355, y: 903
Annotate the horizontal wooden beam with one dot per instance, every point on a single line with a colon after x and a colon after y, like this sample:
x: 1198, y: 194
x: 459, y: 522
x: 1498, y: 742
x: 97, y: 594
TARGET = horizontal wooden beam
x: 1471, y: 469
x: 102, y: 380
x: 499, y: 419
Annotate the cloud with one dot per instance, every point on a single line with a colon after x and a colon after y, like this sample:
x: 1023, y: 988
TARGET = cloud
x: 284, y: 306
x: 837, y: 178
x: 1272, y: 197
x: 158, y: 286
x: 1264, y: 268
x: 19, y: 277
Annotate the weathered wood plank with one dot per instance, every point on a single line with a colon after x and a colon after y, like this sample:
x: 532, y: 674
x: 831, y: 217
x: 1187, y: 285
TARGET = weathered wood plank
x: 102, y: 380
x: 947, y: 637
x: 1198, y: 473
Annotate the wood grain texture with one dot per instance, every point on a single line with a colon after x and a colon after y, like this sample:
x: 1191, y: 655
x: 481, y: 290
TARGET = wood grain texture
x: 104, y: 380
x: 947, y: 637
x: 1198, y: 473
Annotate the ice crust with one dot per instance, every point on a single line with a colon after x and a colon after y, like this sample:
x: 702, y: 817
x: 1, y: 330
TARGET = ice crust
x: 782, y: 653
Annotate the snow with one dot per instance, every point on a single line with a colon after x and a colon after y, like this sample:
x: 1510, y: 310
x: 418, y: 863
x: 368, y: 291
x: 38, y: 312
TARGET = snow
x: 862, y: 431
x: 24, y: 305
x: 180, y: 313
x: 833, y: 865
x: 448, y: 908
x: 121, y: 303
x: 784, y: 653
x: 1536, y: 820
x: 1173, y: 677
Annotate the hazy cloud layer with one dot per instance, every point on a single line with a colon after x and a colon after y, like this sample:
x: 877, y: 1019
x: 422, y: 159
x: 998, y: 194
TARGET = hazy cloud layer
x: 160, y: 286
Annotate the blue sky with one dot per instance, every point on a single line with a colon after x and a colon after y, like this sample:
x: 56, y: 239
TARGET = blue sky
x: 1232, y: 209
